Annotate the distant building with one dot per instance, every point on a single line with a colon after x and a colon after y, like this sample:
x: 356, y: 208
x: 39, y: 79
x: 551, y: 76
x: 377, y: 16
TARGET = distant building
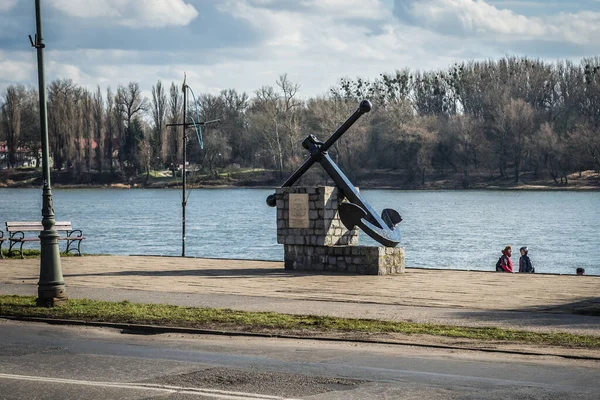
x: 26, y: 157
x: 23, y: 156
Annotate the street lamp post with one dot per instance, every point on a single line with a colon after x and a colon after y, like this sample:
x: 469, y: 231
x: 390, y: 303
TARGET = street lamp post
x: 51, y: 287
x: 183, y: 172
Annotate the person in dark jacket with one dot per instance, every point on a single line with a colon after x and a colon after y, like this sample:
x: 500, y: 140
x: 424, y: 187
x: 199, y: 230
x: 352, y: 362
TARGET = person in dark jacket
x: 505, y: 264
x: 524, y: 261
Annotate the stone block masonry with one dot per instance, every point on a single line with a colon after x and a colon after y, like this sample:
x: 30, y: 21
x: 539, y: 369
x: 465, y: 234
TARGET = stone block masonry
x: 314, y: 238
x: 366, y: 260
x: 324, y: 226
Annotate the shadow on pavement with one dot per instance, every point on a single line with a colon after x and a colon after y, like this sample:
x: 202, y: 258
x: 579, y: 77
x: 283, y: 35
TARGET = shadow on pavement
x: 574, y: 307
x: 212, y: 273
x: 541, y: 316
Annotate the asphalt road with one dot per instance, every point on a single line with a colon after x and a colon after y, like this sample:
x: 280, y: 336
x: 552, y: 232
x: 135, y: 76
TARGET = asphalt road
x: 39, y: 361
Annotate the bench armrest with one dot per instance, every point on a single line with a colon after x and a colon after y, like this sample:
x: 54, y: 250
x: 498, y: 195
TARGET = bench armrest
x: 75, y: 232
x: 17, y: 235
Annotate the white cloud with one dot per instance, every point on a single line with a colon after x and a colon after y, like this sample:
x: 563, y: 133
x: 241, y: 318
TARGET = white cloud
x: 317, y: 48
x: 7, y: 5
x: 131, y: 13
x: 17, y: 67
x: 368, y: 9
x: 314, y: 42
x: 472, y: 17
x: 308, y: 33
x: 15, y: 71
x: 476, y: 17
x: 526, y: 4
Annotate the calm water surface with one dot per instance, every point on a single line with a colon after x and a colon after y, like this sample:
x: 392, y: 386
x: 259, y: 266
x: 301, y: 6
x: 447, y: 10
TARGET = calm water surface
x: 441, y: 229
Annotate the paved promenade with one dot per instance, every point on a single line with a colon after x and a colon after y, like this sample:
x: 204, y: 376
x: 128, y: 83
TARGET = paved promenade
x: 521, y: 301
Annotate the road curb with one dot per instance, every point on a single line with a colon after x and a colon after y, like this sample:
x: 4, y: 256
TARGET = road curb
x: 141, y: 329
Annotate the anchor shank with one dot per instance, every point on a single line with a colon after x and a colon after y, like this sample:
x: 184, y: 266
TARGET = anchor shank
x: 299, y: 172
x: 342, y: 181
x: 372, y: 224
x: 364, y: 108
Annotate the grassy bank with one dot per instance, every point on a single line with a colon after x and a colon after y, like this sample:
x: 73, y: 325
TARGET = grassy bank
x: 223, y: 319
x: 259, y: 177
x: 31, y: 253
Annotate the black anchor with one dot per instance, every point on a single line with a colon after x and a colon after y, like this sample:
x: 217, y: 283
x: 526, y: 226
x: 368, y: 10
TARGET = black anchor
x: 355, y: 212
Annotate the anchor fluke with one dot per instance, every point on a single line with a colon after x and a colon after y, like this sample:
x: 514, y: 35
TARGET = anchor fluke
x: 351, y: 214
x: 391, y: 217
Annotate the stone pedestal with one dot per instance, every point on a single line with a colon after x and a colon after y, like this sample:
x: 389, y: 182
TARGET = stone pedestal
x: 314, y: 238
x: 367, y: 260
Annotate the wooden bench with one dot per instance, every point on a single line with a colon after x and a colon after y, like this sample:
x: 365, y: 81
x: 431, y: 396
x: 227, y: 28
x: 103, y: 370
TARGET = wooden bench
x: 16, y: 235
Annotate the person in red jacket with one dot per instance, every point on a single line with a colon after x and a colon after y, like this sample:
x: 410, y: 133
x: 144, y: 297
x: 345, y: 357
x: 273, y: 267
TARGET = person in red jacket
x: 505, y: 264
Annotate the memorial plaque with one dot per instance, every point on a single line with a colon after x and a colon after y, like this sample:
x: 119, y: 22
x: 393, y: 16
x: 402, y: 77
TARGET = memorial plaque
x: 298, y: 212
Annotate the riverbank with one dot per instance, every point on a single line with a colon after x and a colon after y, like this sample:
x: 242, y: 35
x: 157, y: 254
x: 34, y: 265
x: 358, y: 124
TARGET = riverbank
x: 461, y: 298
x: 457, y: 309
x: 259, y: 178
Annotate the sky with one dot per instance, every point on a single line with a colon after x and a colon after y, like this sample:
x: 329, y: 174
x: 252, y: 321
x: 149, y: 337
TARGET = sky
x: 246, y: 44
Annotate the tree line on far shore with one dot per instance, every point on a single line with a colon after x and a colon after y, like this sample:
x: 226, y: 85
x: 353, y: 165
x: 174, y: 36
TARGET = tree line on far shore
x: 502, y: 117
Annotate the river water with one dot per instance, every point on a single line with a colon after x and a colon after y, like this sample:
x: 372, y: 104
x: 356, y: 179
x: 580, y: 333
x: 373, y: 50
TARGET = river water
x: 441, y: 229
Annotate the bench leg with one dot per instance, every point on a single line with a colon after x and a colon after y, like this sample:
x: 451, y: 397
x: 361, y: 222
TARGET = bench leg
x: 10, y: 247
x: 1, y: 255
x: 21, y: 250
x: 70, y: 242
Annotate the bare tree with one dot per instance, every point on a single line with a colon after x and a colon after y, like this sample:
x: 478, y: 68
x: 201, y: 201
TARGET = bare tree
x: 591, y: 93
x: 159, y: 112
x: 497, y: 126
x: 60, y: 121
x: 99, y: 129
x: 30, y: 125
x: 290, y: 114
x: 234, y: 126
x: 323, y: 115
x: 145, y: 153
x: 521, y: 125
x: 216, y: 150
x: 585, y: 140
x: 265, y: 122
x: 465, y: 136
x: 130, y: 104
x: 87, y: 137
x: 175, y: 150
x: 130, y: 101
x: 11, y: 112
x: 110, y: 123
x: 78, y: 128
x: 551, y: 149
